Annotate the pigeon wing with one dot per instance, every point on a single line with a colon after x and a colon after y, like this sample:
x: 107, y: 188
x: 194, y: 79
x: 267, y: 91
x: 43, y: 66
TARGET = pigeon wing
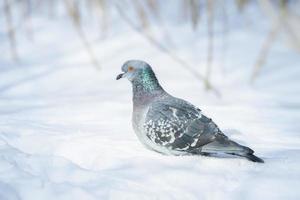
x: 178, y: 125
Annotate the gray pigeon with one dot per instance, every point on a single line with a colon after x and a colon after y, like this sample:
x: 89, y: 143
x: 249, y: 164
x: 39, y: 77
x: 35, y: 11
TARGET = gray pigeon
x: 173, y: 126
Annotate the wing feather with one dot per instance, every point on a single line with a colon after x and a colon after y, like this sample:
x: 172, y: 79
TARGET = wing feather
x: 178, y: 125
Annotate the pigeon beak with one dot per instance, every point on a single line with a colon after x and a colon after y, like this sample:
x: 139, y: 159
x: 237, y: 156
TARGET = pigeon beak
x: 120, y: 76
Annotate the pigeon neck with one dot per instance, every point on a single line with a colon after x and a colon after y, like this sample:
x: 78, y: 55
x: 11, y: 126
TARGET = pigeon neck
x: 146, y: 88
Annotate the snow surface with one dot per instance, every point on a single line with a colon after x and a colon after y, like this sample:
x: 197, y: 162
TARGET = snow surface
x: 66, y: 130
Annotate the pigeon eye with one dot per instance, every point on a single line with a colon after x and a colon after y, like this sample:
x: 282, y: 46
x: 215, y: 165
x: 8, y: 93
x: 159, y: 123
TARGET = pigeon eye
x: 130, y: 68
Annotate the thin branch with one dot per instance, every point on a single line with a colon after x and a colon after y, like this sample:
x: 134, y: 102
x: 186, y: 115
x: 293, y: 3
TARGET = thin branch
x: 210, y: 50
x: 153, y: 5
x: 278, y: 21
x: 290, y: 29
x: 265, y: 50
x: 10, y: 29
x: 141, y: 14
x: 74, y: 13
x: 225, y: 31
x: 154, y: 10
x: 27, y: 18
x: 101, y: 9
x: 194, y: 12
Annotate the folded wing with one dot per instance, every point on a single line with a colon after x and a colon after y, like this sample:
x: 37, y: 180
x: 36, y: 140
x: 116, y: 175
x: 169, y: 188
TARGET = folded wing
x: 178, y: 125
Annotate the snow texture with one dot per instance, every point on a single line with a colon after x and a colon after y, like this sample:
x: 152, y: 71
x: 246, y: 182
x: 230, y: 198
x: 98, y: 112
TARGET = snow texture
x: 66, y: 130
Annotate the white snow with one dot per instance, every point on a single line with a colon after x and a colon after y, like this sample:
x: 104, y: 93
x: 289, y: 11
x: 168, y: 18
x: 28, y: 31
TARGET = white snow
x: 65, y: 126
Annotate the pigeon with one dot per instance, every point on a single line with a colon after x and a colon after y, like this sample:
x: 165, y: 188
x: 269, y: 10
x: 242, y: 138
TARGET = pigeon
x: 173, y: 126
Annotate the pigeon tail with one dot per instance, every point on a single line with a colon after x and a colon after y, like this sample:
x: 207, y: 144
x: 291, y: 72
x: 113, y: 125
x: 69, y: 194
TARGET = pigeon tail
x: 224, y: 145
x: 253, y: 158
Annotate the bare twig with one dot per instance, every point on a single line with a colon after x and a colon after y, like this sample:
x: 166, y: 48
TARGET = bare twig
x: 74, y: 13
x: 141, y: 14
x: 154, y: 10
x: 241, y: 4
x: 153, y: 5
x: 10, y: 29
x: 101, y: 9
x: 278, y: 21
x: 225, y: 30
x: 265, y: 50
x: 195, y: 12
x: 27, y: 18
x: 210, y: 50
x: 291, y: 28
x: 162, y: 48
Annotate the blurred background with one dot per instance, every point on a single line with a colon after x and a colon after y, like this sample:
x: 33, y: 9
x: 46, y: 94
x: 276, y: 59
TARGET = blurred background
x: 63, y: 116
x: 195, y: 34
x: 210, y: 40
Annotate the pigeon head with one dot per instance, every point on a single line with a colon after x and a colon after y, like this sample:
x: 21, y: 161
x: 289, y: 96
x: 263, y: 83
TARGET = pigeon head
x: 140, y: 74
x: 135, y: 69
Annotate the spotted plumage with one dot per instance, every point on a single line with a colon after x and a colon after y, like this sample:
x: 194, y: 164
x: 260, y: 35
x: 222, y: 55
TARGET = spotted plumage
x: 178, y: 125
x: 173, y: 126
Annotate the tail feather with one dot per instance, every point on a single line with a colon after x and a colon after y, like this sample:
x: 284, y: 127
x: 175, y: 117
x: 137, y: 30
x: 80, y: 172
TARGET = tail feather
x: 249, y: 156
x: 223, y: 145
x: 253, y: 158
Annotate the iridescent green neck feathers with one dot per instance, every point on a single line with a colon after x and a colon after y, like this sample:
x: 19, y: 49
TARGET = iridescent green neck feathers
x: 146, y: 84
